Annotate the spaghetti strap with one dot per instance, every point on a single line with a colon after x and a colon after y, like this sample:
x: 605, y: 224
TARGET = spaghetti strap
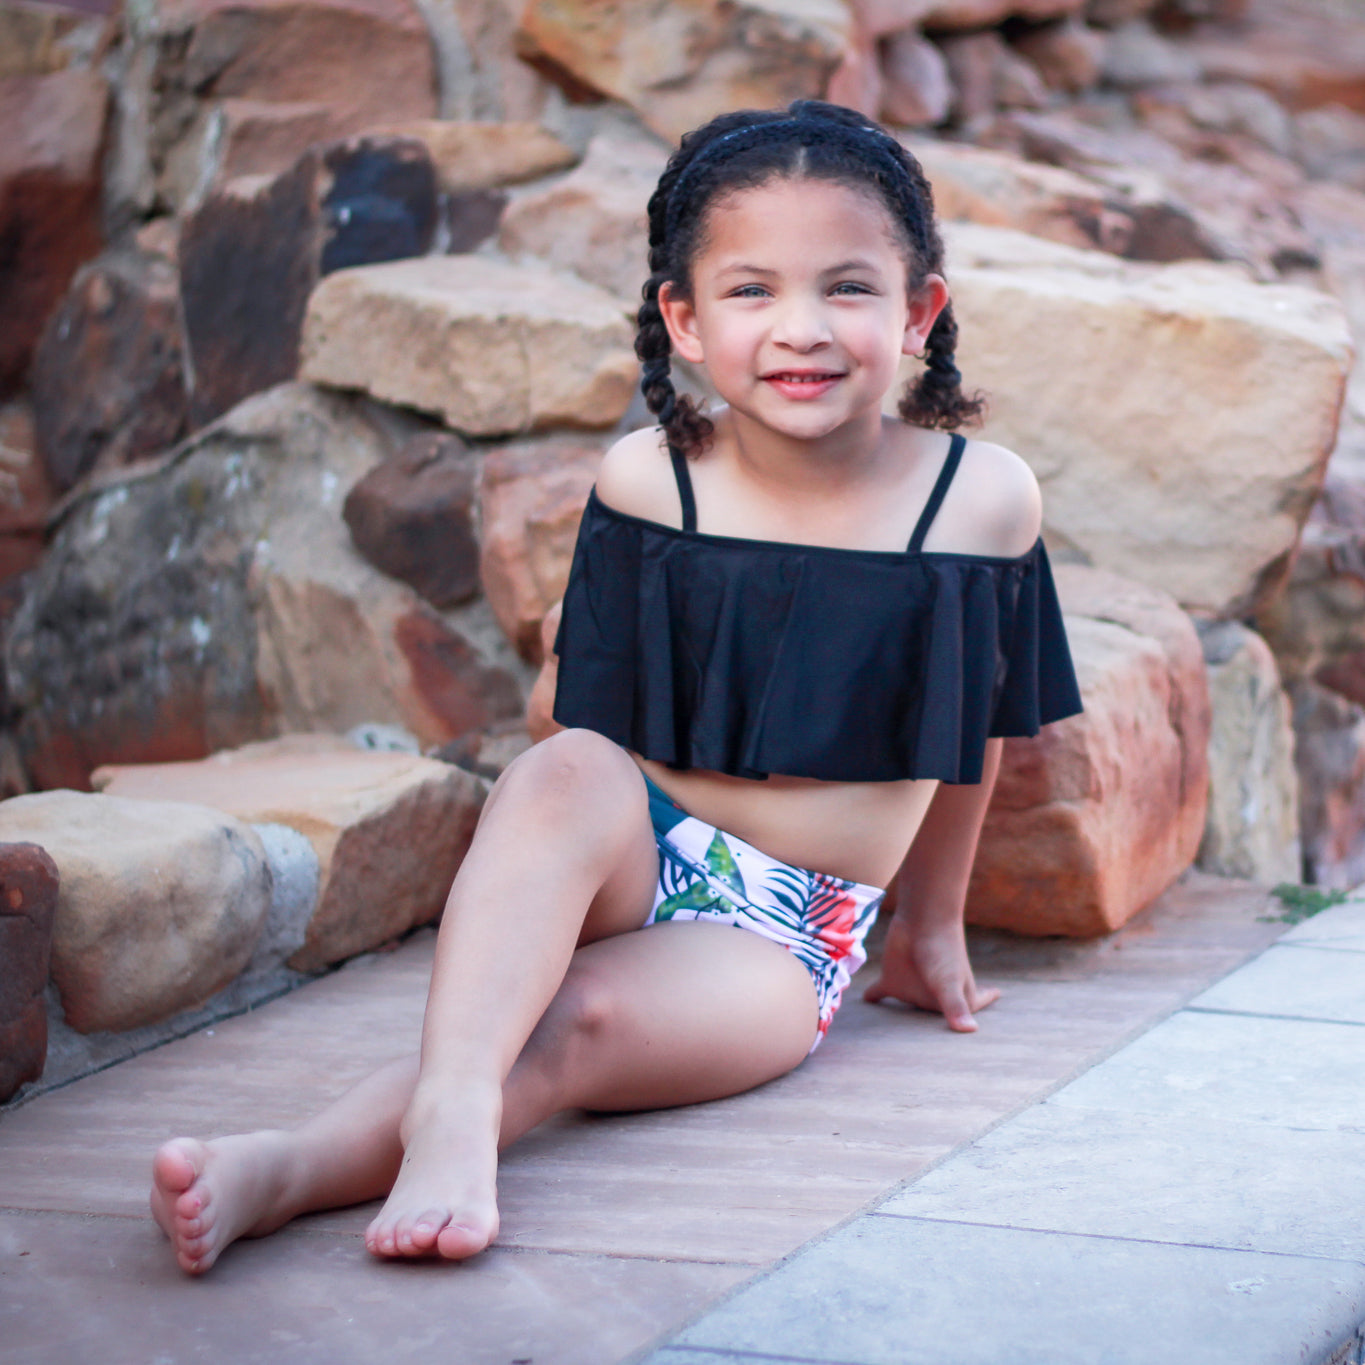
x: 955, y: 448
x: 689, y: 503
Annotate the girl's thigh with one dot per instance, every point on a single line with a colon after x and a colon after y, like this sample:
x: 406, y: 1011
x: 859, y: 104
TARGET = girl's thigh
x: 686, y: 1011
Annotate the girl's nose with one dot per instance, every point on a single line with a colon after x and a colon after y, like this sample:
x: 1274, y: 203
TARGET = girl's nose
x: 802, y: 325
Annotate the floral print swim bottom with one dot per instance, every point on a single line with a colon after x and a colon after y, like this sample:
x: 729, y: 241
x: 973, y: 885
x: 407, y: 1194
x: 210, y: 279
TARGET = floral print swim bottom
x: 707, y: 874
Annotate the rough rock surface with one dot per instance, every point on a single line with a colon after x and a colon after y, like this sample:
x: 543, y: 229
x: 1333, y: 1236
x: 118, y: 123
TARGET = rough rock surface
x: 159, y: 903
x: 412, y: 517
x: 1329, y: 732
x: 1253, y: 821
x: 253, y: 251
x: 49, y: 201
x: 26, y: 494
x: 389, y: 829
x: 28, y: 907
x: 530, y: 504
x: 109, y: 379
x: 681, y: 63
x: 594, y: 221
x: 916, y: 89
x: 210, y: 87
x: 1101, y: 812
x: 1100, y: 372
x: 485, y: 156
x: 152, y: 632
x: 494, y: 349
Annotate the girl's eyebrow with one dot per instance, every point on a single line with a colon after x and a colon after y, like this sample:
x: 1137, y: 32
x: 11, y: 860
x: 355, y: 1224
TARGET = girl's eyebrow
x: 744, y: 268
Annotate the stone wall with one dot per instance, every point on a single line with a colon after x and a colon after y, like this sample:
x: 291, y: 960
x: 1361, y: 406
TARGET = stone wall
x: 315, y: 315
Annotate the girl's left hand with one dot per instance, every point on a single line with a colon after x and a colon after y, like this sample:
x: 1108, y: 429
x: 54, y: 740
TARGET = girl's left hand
x: 929, y: 969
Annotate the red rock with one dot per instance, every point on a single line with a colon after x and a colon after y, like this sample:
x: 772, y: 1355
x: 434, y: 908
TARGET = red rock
x: 108, y: 380
x: 390, y: 829
x: 26, y: 495
x: 531, y: 502
x: 49, y: 201
x: 857, y: 80
x: 1099, y: 814
x: 916, y: 88
x: 680, y: 64
x: 411, y: 517
x: 151, y: 632
x: 28, y: 907
x: 593, y: 221
x: 37, y: 39
x: 972, y: 60
x: 980, y: 14
x: 1069, y: 55
x: 218, y: 84
x: 251, y: 254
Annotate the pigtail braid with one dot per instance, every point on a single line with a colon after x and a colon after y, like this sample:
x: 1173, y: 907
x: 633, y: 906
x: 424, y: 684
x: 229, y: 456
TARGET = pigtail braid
x: 685, y: 426
x: 936, y: 398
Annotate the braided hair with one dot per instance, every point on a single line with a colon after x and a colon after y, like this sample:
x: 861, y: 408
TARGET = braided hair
x: 746, y: 149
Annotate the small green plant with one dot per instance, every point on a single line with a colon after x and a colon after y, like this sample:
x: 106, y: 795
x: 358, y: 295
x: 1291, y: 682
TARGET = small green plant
x: 1302, y: 902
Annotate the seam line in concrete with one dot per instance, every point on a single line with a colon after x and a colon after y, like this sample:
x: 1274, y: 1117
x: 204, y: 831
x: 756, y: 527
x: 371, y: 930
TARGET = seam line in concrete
x: 758, y: 1355
x: 1321, y: 946
x: 1291, y: 1018
x: 1109, y: 1237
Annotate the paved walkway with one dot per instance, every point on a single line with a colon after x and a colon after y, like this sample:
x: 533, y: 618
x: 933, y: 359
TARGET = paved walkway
x: 1192, y: 1195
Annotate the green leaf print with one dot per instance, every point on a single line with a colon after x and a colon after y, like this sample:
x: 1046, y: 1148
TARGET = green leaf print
x: 720, y: 863
x: 697, y: 896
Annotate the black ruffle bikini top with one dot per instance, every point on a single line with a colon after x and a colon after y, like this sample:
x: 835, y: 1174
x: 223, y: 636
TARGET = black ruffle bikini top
x: 752, y: 657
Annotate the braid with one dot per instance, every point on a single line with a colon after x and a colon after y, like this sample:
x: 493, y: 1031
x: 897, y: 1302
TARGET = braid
x: 936, y: 399
x: 751, y: 147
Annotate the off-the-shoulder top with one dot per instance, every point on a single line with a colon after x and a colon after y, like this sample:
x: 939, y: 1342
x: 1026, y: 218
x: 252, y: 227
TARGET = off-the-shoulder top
x: 753, y: 657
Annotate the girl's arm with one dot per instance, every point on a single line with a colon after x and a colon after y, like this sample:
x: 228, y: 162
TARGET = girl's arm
x: 924, y: 961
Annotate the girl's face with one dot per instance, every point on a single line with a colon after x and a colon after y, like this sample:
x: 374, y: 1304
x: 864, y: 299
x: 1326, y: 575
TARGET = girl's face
x: 801, y: 307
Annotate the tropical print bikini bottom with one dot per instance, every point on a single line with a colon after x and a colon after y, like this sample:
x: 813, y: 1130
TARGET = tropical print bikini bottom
x: 706, y: 874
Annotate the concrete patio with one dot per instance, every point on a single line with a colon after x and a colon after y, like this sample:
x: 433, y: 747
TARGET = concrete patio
x: 1151, y: 1152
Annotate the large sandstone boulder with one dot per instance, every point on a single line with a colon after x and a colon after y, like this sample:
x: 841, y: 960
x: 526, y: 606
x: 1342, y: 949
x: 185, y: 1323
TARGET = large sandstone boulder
x: 389, y: 829
x: 28, y: 908
x: 681, y: 63
x: 530, y: 504
x: 253, y: 250
x: 216, y: 598
x: 1253, y: 821
x: 213, y: 88
x: 1099, y: 814
x: 494, y: 349
x: 593, y: 221
x: 1179, y: 418
x: 49, y: 201
x: 159, y: 904
x: 109, y: 376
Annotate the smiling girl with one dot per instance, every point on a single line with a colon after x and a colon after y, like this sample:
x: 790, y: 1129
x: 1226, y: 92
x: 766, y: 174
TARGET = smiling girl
x: 794, y: 633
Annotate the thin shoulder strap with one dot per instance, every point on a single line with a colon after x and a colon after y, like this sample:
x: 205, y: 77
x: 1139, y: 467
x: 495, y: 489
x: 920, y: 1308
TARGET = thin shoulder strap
x: 689, y: 503
x: 926, y: 518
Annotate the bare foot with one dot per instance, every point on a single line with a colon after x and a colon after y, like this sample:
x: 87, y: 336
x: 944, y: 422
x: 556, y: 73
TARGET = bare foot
x: 930, y: 970
x: 207, y: 1194
x: 444, y: 1202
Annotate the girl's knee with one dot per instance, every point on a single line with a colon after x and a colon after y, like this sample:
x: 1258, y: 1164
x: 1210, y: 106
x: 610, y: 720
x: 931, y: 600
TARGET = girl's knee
x: 571, y: 766
x: 578, y: 1019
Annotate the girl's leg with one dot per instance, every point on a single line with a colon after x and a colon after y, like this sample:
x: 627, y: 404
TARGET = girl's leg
x: 674, y: 1014
x: 564, y: 851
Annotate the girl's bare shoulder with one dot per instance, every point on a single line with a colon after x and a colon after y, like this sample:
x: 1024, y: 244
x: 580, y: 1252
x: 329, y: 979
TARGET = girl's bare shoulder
x: 993, y: 506
x: 636, y: 477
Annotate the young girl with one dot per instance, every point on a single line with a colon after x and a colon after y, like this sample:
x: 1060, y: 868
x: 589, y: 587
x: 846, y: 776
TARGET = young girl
x: 796, y: 626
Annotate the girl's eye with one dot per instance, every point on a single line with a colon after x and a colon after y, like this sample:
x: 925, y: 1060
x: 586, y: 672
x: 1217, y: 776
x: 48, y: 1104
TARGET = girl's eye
x: 850, y: 287
x: 749, y: 291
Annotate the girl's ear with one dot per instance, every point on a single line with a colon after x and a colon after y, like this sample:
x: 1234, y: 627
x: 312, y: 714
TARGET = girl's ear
x: 926, y: 303
x: 680, y: 317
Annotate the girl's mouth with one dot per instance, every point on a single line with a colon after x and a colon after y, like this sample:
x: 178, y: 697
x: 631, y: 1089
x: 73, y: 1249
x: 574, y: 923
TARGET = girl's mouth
x: 801, y: 384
